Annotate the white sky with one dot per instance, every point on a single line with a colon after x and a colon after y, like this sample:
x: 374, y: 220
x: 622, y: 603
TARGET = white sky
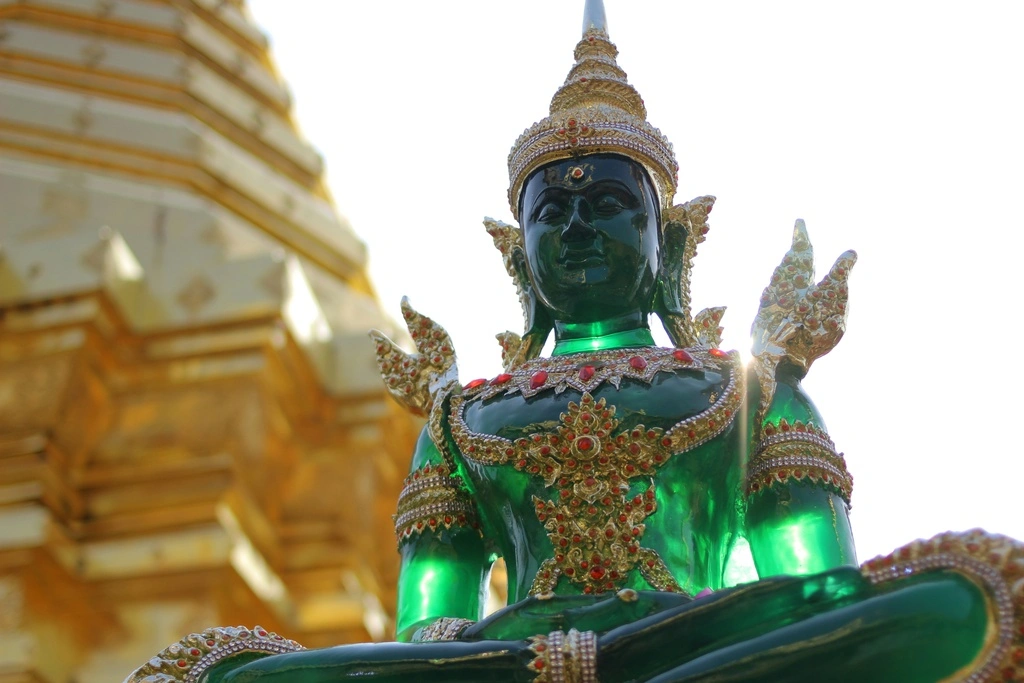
x: 894, y: 128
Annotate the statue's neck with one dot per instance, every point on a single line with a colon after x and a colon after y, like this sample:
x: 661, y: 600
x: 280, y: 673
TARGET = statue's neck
x: 615, y: 333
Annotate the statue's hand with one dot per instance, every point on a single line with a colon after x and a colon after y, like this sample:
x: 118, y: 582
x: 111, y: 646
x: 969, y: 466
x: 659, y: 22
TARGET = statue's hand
x: 799, y: 321
x: 543, y: 614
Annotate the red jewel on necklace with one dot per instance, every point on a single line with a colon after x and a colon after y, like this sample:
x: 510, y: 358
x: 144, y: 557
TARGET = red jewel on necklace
x: 502, y: 378
x: 637, y: 363
x: 538, y: 379
x: 718, y: 353
x: 473, y: 384
x: 682, y: 356
x: 586, y: 372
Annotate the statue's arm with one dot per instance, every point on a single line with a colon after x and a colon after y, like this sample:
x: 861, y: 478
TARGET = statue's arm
x: 444, y: 562
x: 798, y: 489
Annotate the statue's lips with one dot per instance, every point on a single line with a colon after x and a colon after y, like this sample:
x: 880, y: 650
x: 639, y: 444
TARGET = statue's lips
x: 574, y: 260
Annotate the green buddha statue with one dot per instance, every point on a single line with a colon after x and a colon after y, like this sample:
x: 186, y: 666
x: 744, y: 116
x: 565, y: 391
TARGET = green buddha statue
x: 665, y: 514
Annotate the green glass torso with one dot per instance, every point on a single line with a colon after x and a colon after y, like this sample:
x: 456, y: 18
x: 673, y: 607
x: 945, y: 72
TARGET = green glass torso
x: 696, y: 516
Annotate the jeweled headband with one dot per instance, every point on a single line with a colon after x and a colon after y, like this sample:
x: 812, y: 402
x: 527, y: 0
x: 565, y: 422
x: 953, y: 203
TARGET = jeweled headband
x: 596, y: 111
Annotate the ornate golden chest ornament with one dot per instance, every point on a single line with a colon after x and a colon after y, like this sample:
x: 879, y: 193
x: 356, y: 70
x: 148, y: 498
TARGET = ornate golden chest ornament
x: 587, y: 463
x: 585, y: 372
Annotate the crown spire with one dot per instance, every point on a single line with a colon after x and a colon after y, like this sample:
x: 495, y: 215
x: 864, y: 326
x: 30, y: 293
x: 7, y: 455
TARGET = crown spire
x: 596, y: 111
x: 594, y: 17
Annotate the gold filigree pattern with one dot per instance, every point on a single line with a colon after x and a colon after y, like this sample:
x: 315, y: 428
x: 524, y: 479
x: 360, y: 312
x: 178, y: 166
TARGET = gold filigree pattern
x: 997, y: 564
x: 595, y: 111
x: 191, y: 657
x: 433, y: 498
x: 445, y: 628
x: 587, y: 371
x: 413, y: 379
x: 656, y: 572
x: 511, y: 349
x: 564, y: 657
x: 435, y: 424
x: 684, y: 227
x: 798, y: 321
x: 595, y: 526
x: 508, y: 239
x: 798, y: 452
x: 706, y: 326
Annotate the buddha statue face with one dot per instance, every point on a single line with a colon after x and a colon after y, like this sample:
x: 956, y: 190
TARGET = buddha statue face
x: 591, y: 235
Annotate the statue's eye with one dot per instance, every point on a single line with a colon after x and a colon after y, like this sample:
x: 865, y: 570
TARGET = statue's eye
x: 608, y: 205
x: 550, y: 212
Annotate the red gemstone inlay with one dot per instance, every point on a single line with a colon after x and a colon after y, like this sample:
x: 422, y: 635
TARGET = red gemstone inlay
x: 502, y: 378
x: 637, y: 363
x: 538, y: 379
x: 682, y: 356
x: 718, y: 353
x: 195, y: 652
x: 597, y: 573
x: 475, y: 383
x: 586, y: 372
x: 584, y: 443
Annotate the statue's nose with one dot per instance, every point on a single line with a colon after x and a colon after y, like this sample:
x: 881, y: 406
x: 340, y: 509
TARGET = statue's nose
x: 578, y: 228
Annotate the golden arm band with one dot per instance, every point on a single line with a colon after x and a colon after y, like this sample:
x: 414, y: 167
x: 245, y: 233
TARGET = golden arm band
x: 433, y: 498
x: 798, y: 452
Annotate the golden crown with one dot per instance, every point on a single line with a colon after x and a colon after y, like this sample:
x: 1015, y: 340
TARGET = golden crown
x: 595, y: 111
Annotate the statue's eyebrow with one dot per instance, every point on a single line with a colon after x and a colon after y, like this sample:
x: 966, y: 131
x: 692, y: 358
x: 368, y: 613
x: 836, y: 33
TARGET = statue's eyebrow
x: 545, y: 195
x: 611, y: 184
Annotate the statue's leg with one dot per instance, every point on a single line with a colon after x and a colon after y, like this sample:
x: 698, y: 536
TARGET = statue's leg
x: 920, y: 633
x: 447, y: 662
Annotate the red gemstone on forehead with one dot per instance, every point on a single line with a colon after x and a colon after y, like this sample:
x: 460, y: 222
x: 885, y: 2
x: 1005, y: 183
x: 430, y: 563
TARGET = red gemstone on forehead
x: 637, y: 363
x: 473, y: 384
x: 538, y: 379
x: 682, y: 356
x: 718, y: 353
x: 502, y: 378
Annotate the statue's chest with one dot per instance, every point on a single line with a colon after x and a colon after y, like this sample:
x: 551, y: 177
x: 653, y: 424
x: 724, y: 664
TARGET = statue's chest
x: 588, y: 438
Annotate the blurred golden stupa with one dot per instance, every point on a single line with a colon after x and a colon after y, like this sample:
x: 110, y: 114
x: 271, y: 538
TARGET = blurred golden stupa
x: 191, y: 421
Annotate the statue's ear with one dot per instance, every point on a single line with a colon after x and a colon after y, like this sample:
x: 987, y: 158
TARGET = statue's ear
x: 673, y: 264
x: 538, y: 317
